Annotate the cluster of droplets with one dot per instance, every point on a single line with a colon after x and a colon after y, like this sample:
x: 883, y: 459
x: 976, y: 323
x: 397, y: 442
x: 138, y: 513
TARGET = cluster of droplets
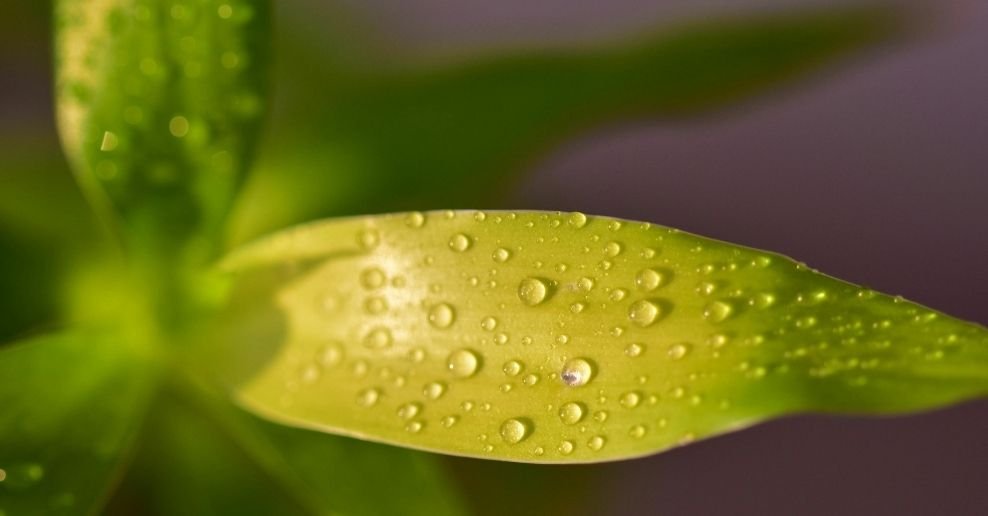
x: 558, y: 358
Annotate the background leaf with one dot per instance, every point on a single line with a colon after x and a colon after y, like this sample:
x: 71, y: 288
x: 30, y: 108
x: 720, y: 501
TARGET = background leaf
x: 560, y: 338
x: 71, y: 403
x: 159, y: 104
x: 454, y: 135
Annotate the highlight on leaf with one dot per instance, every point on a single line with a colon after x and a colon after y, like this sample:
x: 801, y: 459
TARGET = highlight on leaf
x: 551, y: 337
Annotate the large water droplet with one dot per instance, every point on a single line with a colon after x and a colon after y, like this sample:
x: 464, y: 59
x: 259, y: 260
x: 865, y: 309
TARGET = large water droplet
x: 514, y: 431
x: 566, y: 447
x: 463, y: 363
x: 442, y: 315
x: 460, y: 242
x: 571, y: 413
x: 329, y: 355
x: 649, y: 279
x: 585, y: 284
x: 613, y: 249
x: 644, y: 312
x: 717, y: 311
x: 576, y: 372
x: 596, y: 442
x: 533, y: 291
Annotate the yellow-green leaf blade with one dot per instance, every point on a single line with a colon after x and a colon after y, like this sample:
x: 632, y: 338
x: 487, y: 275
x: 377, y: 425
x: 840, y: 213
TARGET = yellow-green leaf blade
x: 562, y: 338
x: 159, y: 105
x: 70, y: 405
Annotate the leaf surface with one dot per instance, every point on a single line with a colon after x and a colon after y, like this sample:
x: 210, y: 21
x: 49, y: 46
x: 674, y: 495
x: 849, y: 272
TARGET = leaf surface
x: 546, y: 337
x: 70, y: 405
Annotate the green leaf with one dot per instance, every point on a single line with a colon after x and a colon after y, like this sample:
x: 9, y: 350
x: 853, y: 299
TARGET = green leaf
x: 71, y: 404
x: 545, y: 337
x: 455, y: 134
x: 159, y: 104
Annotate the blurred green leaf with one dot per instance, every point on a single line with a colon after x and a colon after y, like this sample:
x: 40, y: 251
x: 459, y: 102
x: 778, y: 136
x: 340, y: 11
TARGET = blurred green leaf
x: 71, y: 403
x: 245, y: 465
x: 540, y: 337
x: 159, y: 105
x: 454, y: 135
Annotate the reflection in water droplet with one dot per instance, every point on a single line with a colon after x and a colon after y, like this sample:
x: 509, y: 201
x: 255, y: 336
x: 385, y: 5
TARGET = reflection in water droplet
x: 434, y: 390
x: 717, y: 311
x: 644, y: 312
x: 442, y: 315
x: 649, y: 279
x: 571, y: 413
x: 460, y: 242
x: 514, y: 431
x: 533, y: 291
x: 463, y: 363
x: 576, y: 372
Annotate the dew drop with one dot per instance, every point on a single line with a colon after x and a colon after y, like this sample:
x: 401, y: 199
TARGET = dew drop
x: 596, y: 442
x: 600, y: 416
x: 677, y: 351
x: 368, y: 239
x: 717, y: 311
x: 514, y: 431
x: 442, y: 315
x: 414, y: 427
x: 329, y: 355
x: 533, y: 291
x: 585, y: 284
x: 618, y: 294
x: 634, y: 349
x: 577, y: 307
x: 576, y: 372
x: 375, y: 305
x: 501, y: 338
x: 409, y: 410
x: 463, y: 363
x: 566, y: 447
x: 644, y: 312
x: 479, y: 216
x: 630, y: 399
x: 460, y: 242
x: 378, y: 338
x: 571, y: 413
x: 488, y: 323
x: 368, y: 397
x: 613, y: 249
x: 415, y: 219
x: 512, y: 368
x: 434, y: 390
x: 530, y: 379
x: 637, y: 431
x: 577, y: 220
x: 501, y: 255
x: 372, y: 278
x: 649, y: 279
x: 562, y: 338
